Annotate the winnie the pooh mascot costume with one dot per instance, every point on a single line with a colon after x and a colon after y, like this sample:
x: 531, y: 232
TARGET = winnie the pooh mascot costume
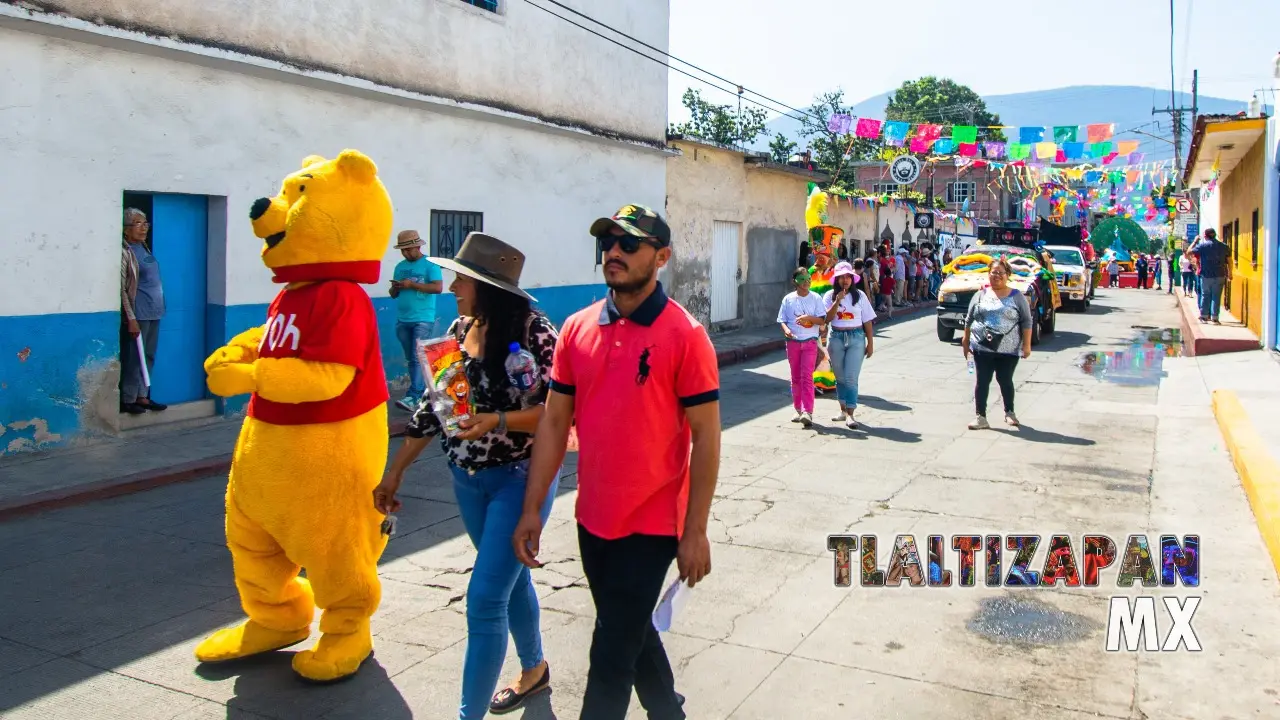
x: 314, y: 441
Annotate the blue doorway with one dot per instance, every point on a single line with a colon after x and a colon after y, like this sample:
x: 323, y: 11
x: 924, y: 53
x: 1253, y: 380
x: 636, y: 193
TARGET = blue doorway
x: 180, y: 243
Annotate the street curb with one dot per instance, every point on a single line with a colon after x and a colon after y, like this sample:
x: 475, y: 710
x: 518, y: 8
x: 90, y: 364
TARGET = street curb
x: 128, y: 484
x: 1196, y: 342
x: 734, y: 356
x: 1259, y: 472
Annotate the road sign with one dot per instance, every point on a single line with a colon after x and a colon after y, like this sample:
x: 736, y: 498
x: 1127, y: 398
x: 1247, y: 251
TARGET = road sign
x: 1184, y: 206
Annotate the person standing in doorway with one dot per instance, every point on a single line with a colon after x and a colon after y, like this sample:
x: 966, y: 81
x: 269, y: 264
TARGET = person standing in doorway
x: 1213, y: 257
x: 414, y: 285
x: 142, y: 306
x: 997, y: 330
x: 802, y: 316
x: 646, y: 477
x: 850, y: 316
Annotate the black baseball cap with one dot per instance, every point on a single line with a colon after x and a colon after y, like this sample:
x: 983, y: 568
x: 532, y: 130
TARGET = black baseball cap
x: 636, y: 220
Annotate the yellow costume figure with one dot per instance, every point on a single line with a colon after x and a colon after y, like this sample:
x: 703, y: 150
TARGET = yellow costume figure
x: 300, y: 493
x: 824, y: 240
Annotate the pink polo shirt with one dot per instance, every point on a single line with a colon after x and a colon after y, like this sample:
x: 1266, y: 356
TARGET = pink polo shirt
x: 632, y: 379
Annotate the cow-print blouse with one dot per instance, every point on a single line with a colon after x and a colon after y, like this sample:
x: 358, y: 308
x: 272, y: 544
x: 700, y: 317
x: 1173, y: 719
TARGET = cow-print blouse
x: 493, y: 449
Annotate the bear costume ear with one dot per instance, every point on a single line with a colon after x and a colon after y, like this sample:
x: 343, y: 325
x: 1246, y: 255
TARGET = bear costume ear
x: 357, y: 166
x: 311, y: 160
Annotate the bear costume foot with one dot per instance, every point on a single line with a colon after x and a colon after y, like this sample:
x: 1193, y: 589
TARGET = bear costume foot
x: 245, y: 640
x: 335, y: 656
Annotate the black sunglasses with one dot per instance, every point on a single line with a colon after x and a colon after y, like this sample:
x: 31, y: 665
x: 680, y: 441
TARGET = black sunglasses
x: 628, y: 243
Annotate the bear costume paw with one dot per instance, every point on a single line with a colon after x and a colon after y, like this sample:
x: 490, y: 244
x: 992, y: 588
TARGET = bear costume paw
x: 245, y: 640
x: 335, y: 656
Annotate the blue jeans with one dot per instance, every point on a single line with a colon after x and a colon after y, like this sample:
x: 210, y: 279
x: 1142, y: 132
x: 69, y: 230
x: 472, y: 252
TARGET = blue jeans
x: 500, y: 595
x: 848, y: 348
x: 1211, y: 296
x: 409, y: 333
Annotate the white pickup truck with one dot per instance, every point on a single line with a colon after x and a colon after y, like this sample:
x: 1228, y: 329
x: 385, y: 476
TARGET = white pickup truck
x: 1073, y: 275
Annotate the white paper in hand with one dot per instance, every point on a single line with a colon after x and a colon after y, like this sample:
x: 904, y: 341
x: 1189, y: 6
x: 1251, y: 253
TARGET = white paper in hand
x: 670, y: 604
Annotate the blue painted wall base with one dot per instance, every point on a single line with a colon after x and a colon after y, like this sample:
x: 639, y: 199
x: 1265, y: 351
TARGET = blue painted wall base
x: 50, y: 365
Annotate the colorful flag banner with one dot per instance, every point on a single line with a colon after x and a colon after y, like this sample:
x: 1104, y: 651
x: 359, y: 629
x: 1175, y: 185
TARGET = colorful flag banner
x: 944, y: 146
x: 1127, y: 147
x: 1030, y: 135
x: 919, y: 145
x: 839, y: 123
x: 969, y: 149
x: 995, y: 150
x: 1110, y: 158
x: 895, y: 133
x: 1073, y: 150
x: 1061, y: 156
x: 1019, y: 151
x: 964, y: 134
x: 1063, y: 134
x: 1135, y: 158
x: 1046, y: 150
x: 868, y: 128
x: 1099, y: 149
x: 929, y: 133
x: 1100, y: 132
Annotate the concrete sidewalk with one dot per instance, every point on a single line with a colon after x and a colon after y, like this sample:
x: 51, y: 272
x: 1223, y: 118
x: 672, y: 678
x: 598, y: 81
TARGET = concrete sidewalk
x: 161, y: 455
x: 1207, y: 339
x: 1245, y: 388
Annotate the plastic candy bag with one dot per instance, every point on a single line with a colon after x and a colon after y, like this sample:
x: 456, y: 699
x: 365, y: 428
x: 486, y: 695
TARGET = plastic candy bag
x: 448, y: 389
x: 669, y: 606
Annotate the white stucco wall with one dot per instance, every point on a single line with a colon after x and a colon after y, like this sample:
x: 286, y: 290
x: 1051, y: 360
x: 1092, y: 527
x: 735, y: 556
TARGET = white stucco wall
x: 521, y: 58
x: 83, y: 123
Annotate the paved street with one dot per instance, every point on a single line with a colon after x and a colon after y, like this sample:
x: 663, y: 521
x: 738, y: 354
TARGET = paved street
x: 103, y: 604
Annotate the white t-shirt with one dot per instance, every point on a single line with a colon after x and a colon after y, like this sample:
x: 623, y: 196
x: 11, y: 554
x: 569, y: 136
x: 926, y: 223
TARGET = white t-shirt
x: 794, y: 306
x: 851, y: 314
x: 899, y: 268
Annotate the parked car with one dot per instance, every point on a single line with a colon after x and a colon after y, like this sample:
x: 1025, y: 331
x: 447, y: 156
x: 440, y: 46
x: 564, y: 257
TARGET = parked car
x: 958, y: 289
x: 1075, y: 278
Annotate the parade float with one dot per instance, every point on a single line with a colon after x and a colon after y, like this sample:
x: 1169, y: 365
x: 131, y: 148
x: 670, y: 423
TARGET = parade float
x: 824, y: 243
x: 1033, y: 276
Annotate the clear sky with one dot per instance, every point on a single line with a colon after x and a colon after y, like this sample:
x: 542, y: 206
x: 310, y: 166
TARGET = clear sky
x: 790, y: 50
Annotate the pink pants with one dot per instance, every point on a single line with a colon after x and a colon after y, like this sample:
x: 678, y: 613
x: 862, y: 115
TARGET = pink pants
x: 803, y: 357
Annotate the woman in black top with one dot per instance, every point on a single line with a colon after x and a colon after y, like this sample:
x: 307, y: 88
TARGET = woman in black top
x: 490, y: 463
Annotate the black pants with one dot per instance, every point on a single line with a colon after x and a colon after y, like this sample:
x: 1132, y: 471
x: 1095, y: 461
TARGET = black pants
x: 1142, y: 279
x: 626, y: 577
x: 985, y: 364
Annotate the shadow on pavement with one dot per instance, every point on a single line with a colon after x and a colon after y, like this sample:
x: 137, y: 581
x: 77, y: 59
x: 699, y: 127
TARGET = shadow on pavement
x: 114, y: 583
x: 1063, y: 340
x: 1026, y: 432
x: 872, y: 401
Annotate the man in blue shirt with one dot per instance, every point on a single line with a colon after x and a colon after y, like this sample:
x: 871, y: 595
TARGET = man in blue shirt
x: 1215, y: 273
x: 414, y: 285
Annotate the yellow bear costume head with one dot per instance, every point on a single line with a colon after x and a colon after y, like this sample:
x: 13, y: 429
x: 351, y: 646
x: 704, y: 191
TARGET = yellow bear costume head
x: 331, y: 221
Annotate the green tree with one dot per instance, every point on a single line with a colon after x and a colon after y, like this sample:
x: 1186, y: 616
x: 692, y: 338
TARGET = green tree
x: 943, y: 102
x: 781, y: 148
x: 835, y: 153
x: 720, y: 124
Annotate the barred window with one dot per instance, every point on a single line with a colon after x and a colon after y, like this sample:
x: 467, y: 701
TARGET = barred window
x: 885, y: 188
x: 958, y: 192
x: 450, y: 227
x: 490, y: 5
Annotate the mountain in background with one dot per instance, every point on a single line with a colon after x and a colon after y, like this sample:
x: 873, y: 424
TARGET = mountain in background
x: 1126, y: 106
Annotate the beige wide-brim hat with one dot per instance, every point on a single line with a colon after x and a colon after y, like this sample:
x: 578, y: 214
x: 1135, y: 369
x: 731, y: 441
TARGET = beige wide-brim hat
x: 489, y: 260
x: 408, y: 239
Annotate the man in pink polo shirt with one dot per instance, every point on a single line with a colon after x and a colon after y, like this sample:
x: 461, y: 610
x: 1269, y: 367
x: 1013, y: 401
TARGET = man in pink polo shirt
x: 639, y: 374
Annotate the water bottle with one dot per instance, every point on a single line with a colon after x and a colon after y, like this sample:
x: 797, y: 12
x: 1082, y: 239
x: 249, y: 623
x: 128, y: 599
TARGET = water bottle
x: 970, y: 366
x: 522, y: 369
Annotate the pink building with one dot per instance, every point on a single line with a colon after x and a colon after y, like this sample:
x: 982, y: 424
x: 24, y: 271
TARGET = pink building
x: 988, y: 203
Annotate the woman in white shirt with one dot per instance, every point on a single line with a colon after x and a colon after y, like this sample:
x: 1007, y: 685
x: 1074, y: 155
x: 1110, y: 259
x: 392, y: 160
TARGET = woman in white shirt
x: 852, y: 338
x: 802, y: 316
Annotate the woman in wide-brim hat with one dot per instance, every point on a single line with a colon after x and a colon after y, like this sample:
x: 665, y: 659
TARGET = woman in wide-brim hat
x: 490, y: 462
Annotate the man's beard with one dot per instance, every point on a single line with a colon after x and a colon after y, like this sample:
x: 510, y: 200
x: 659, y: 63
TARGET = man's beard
x: 632, y: 285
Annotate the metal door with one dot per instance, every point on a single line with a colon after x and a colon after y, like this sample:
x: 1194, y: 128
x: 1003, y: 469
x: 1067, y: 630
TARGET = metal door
x: 179, y: 240
x: 725, y: 241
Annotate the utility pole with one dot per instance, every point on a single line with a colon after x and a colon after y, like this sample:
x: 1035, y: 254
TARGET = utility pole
x: 1175, y: 111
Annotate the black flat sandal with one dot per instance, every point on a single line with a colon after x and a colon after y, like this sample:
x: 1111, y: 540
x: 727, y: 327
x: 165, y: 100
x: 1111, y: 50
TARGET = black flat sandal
x: 507, y: 700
